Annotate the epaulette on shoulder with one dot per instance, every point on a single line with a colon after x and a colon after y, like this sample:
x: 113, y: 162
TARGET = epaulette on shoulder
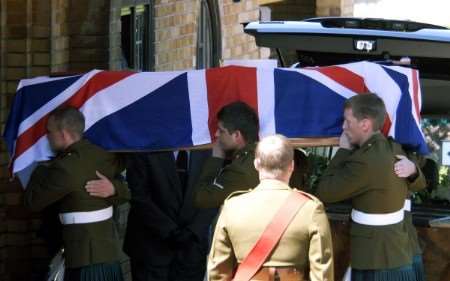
x: 307, y: 195
x: 237, y: 193
x: 64, y: 155
x: 243, y: 156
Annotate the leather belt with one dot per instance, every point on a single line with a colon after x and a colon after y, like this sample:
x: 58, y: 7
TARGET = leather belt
x: 86, y: 217
x: 278, y: 274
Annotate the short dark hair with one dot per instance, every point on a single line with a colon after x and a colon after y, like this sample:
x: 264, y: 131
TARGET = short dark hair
x: 368, y: 105
x: 240, y: 116
x: 70, y: 119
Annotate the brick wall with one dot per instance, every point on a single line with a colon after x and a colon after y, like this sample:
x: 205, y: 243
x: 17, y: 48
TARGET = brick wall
x: 292, y: 9
x: 59, y: 41
x: 334, y: 8
x: 176, y: 24
x: 347, y: 8
x: 38, y: 37
x: 175, y: 34
x: 235, y: 43
x: 89, y: 25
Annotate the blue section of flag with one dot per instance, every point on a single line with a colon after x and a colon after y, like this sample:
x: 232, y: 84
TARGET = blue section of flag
x: 306, y: 108
x: 161, y: 119
x: 26, y: 103
x: 406, y: 130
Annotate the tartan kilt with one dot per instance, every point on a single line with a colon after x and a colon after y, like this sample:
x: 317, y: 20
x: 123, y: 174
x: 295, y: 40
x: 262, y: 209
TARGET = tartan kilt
x: 95, y: 272
x: 404, y: 273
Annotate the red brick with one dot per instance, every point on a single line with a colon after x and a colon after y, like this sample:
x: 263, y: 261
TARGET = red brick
x: 15, y: 6
x: 16, y: 59
x: 40, y: 31
x: 41, y: 59
x: 40, y: 45
x: 15, y: 73
x: 40, y: 70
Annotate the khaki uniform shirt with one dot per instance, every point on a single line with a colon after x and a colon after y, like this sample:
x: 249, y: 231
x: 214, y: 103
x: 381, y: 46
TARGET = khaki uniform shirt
x: 306, y: 242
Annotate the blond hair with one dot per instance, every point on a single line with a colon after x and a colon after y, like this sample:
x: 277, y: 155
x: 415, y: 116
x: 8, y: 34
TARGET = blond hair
x: 274, y: 155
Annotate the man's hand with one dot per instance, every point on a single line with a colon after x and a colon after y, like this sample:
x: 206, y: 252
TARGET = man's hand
x: 404, y: 167
x: 217, y: 150
x: 344, y: 142
x: 102, y: 187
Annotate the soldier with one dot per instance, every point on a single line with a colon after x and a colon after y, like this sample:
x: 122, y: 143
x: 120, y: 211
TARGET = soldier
x: 430, y: 171
x: 85, y: 202
x: 304, y: 251
x: 363, y: 170
x: 236, y: 136
x: 231, y: 166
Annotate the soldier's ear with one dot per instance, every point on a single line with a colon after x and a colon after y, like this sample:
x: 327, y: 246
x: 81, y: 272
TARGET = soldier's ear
x: 291, y: 166
x: 366, y: 124
x: 65, y: 135
x: 238, y: 137
x: 68, y: 136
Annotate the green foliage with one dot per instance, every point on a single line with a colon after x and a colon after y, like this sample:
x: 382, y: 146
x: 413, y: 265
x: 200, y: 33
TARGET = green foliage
x: 436, y: 130
x: 318, y: 162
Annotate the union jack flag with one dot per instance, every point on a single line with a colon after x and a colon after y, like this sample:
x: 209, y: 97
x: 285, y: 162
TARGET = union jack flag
x: 153, y: 110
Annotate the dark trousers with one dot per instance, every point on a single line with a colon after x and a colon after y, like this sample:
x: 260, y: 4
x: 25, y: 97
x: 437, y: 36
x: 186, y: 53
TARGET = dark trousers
x: 186, y: 266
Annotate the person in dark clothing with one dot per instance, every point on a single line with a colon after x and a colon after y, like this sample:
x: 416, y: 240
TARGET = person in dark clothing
x: 166, y: 237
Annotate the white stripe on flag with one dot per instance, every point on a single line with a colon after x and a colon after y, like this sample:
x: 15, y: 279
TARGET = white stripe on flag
x: 381, y: 84
x: 55, y: 102
x: 409, y: 74
x: 38, y: 80
x: 326, y: 81
x: 266, y: 100
x: 40, y: 151
x: 123, y: 93
x: 198, y: 99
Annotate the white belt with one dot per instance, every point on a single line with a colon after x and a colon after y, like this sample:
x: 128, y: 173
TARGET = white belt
x: 407, y: 206
x: 86, y: 217
x: 378, y: 219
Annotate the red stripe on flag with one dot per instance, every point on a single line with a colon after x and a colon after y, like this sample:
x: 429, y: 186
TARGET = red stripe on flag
x: 97, y: 83
x: 416, y: 92
x: 226, y: 85
x: 353, y: 82
x: 387, y: 125
x: 345, y: 77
